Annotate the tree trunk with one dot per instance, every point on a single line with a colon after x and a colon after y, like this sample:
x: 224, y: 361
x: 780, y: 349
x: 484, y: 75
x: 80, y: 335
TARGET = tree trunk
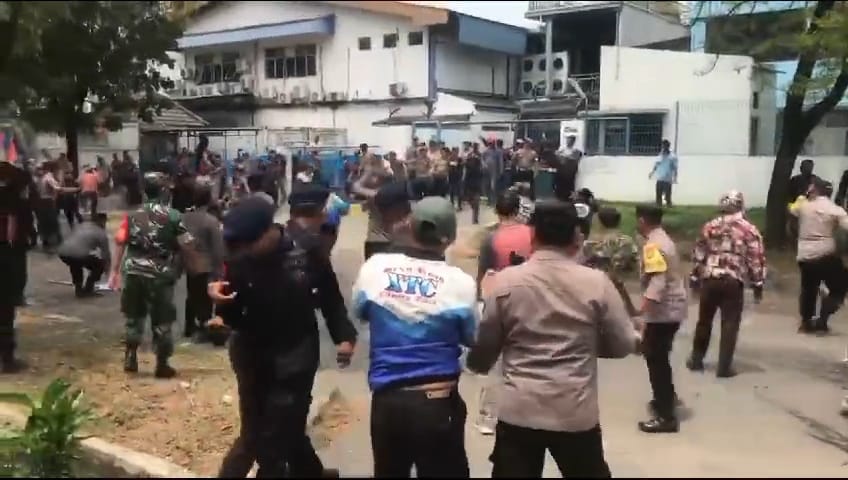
x: 777, y: 201
x: 72, y: 144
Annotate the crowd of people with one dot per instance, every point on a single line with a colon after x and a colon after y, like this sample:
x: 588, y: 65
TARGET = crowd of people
x: 546, y: 304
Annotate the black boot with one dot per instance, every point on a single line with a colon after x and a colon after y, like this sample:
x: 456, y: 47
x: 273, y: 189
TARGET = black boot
x: 695, y: 364
x: 806, y: 326
x: 660, y: 425
x: 131, y: 359
x: 163, y: 370
x: 725, y: 372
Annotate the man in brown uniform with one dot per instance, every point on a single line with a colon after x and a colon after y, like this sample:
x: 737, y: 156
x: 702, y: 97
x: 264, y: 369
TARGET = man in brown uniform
x: 551, y: 319
x: 664, y: 306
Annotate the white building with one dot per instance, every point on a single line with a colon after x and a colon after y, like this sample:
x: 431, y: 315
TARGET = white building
x: 348, y: 72
x: 718, y: 112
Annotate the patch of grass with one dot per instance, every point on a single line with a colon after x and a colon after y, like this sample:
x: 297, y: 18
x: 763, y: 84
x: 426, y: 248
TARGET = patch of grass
x: 682, y: 222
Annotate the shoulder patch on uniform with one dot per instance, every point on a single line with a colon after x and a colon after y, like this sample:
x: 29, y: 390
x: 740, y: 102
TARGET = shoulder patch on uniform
x: 652, y: 259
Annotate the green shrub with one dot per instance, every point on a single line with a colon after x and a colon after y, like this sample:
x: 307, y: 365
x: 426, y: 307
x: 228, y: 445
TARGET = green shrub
x: 49, y: 444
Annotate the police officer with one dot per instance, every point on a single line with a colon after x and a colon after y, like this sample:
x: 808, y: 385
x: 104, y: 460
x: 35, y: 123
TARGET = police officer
x: 664, y: 307
x: 147, y: 244
x: 14, y: 237
x: 274, y: 349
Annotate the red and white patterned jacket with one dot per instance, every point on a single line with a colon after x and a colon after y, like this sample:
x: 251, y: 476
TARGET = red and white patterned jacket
x: 730, y: 245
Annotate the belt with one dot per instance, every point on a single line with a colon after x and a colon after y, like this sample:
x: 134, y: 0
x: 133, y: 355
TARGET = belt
x: 434, y: 390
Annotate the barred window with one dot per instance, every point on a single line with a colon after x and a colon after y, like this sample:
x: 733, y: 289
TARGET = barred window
x: 636, y: 134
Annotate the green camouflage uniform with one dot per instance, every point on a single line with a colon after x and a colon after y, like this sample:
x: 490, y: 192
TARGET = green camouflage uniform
x: 616, y: 254
x: 150, y: 270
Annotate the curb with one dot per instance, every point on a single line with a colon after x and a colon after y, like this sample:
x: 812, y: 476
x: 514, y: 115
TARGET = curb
x: 134, y: 463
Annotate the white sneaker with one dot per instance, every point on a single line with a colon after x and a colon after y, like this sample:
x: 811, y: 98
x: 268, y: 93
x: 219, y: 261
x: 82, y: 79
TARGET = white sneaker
x: 485, y: 429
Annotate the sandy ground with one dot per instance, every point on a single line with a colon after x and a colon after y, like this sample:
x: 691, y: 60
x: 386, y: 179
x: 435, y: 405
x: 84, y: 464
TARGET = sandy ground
x: 777, y: 418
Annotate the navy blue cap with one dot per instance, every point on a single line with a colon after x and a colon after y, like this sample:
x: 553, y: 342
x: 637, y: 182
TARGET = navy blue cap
x: 391, y: 195
x: 309, y: 195
x: 248, y: 220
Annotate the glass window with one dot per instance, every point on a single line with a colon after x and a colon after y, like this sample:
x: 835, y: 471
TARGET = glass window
x: 301, y: 61
x: 229, y: 67
x: 593, y: 137
x: 415, y: 38
x: 543, y: 65
x: 528, y: 65
x: 365, y: 43
x: 390, y: 40
x: 645, y: 134
x: 203, y: 65
x: 615, y: 136
x: 527, y: 87
x: 557, y: 86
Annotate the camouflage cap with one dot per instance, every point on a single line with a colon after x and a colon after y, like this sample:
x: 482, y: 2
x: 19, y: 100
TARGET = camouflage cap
x: 731, y: 202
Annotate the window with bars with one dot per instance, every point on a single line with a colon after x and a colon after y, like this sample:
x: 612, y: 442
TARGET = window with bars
x: 210, y: 69
x: 298, y: 62
x: 636, y: 134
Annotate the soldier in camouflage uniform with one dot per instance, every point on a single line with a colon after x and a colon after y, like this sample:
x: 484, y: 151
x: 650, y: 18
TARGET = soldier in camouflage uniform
x: 148, y: 243
x: 614, y: 252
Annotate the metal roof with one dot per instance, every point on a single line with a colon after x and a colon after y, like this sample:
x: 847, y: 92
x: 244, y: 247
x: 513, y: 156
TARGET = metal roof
x: 175, y: 118
x: 325, y: 25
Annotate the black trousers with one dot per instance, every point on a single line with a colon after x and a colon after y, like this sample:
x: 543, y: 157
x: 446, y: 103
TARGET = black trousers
x: 48, y: 223
x: 663, y: 190
x: 198, y: 305
x: 91, y: 263
x: 521, y: 175
x: 89, y: 200
x: 9, y: 296
x: 727, y: 295
x: 656, y: 347
x: 456, y: 191
x: 69, y: 203
x: 472, y: 196
x: 412, y: 427
x: 829, y: 270
x: 440, y: 186
x: 273, y: 410
x: 520, y: 452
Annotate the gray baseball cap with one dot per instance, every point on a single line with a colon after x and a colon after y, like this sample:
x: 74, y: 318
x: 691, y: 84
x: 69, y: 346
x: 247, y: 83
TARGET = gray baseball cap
x: 433, y: 219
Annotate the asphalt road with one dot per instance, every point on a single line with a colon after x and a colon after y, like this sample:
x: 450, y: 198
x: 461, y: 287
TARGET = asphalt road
x: 778, y: 418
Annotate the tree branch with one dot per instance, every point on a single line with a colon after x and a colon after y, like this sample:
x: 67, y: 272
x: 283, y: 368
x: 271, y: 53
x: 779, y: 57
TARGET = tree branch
x: 814, y: 115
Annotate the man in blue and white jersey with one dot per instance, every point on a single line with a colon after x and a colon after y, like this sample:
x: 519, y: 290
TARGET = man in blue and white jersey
x: 421, y: 312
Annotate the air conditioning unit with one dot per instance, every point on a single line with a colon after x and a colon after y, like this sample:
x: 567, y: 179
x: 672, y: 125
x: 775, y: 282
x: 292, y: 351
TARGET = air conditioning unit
x: 247, y: 83
x: 336, y: 96
x: 178, y: 85
x: 295, y: 94
x: 282, y: 98
x: 188, y: 74
x: 315, y: 97
x: 397, y: 89
x: 210, y: 90
x: 266, y: 93
x: 236, y: 88
x: 192, y: 92
x: 224, y: 88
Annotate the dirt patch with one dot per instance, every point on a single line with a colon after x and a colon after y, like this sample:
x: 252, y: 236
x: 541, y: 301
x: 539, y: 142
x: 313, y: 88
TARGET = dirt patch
x: 191, y: 420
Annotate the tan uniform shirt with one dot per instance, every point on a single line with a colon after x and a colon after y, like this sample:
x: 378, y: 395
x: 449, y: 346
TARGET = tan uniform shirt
x: 526, y: 158
x: 817, y: 220
x: 551, y: 318
x: 662, y: 279
x: 438, y: 163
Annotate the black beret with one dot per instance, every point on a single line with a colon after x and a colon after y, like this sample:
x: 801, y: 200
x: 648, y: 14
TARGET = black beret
x: 248, y: 220
x: 309, y: 195
x: 392, y: 194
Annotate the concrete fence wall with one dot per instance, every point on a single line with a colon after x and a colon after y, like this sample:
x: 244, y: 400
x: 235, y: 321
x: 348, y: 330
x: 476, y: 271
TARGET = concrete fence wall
x: 702, y: 179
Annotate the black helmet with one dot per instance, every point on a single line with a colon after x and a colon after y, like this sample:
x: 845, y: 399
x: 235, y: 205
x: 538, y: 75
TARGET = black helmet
x: 155, y: 183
